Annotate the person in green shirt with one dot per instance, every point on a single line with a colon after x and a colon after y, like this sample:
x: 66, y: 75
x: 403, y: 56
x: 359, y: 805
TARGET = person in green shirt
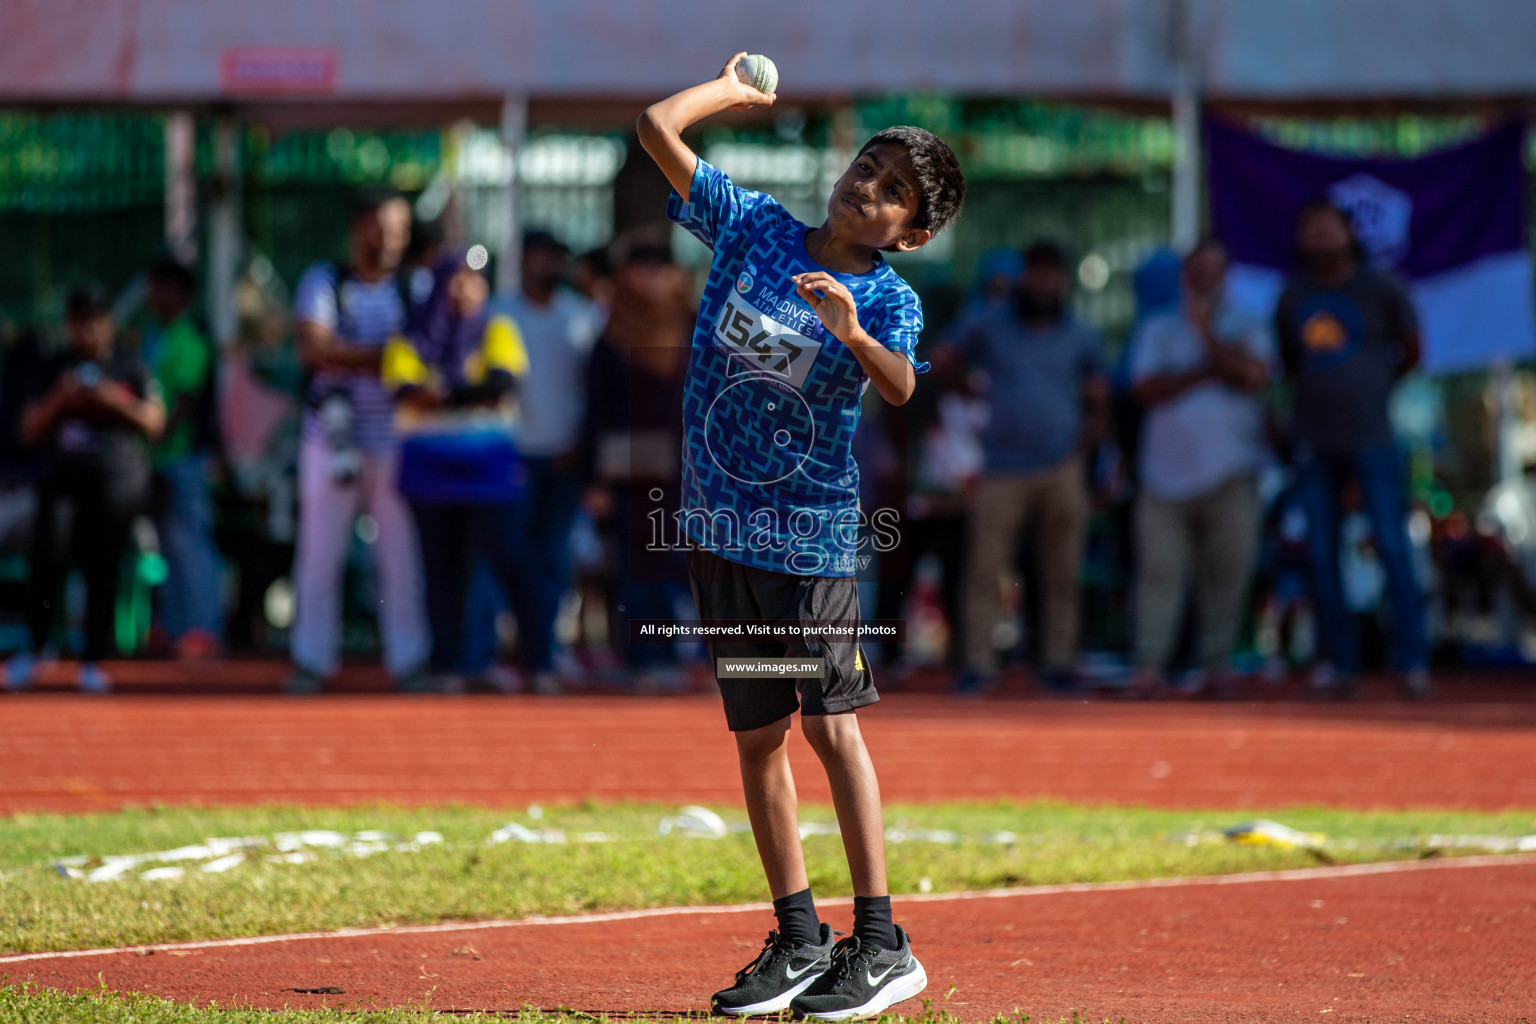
x: 184, y: 362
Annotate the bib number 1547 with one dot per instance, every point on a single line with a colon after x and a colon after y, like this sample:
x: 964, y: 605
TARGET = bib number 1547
x: 764, y: 343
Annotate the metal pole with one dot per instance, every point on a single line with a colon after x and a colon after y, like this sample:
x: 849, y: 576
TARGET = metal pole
x: 1506, y: 423
x: 180, y: 186
x: 1187, y: 199
x: 514, y: 128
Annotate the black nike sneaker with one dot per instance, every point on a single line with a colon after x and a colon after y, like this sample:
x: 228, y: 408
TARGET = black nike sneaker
x: 782, y: 971
x: 863, y: 981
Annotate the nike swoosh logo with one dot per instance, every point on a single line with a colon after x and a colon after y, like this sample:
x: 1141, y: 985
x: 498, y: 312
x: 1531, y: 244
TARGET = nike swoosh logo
x: 793, y: 975
x: 875, y: 981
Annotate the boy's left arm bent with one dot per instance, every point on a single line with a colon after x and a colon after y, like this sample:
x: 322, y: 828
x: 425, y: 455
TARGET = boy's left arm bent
x: 891, y: 372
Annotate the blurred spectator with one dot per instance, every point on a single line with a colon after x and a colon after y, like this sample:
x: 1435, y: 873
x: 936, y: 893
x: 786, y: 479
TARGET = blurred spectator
x: 21, y: 359
x: 1156, y: 282
x: 593, y: 279
x: 1286, y: 632
x: 633, y: 438
x: 1198, y: 371
x: 92, y: 410
x: 453, y: 375
x: 997, y: 277
x: 946, y: 423
x: 1347, y: 334
x: 348, y: 460
x: 419, y: 262
x: 558, y: 328
x: 190, y: 609
x: 1046, y: 395
x: 260, y: 390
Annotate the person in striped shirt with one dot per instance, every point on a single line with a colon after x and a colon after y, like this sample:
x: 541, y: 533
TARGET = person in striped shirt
x: 348, y: 459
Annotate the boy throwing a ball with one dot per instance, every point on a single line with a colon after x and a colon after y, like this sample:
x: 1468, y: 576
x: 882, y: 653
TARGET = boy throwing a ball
x: 796, y: 321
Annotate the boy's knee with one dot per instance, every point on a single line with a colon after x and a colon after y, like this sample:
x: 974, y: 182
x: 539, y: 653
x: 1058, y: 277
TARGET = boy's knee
x: 832, y: 736
x: 762, y: 743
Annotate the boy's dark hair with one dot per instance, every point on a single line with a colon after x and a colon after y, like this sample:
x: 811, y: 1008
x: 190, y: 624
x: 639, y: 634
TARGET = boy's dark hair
x: 940, y: 183
x: 1046, y: 254
x: 87, y: 302
x: 167, y: 269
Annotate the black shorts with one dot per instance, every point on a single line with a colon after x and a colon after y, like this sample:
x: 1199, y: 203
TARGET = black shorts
x: 724, y: 589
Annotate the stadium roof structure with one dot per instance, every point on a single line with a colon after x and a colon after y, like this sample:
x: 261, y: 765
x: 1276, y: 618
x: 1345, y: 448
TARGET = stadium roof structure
x: 450, y: 55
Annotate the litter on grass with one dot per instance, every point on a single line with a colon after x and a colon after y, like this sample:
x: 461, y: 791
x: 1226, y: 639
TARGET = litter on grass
x: 694, y: 821
x: 512, y: 832
x: 215, y: 856
x: 1264, y: 832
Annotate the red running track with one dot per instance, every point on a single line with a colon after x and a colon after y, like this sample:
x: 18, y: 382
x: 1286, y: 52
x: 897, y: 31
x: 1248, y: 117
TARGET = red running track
x: 1448, y: 943
x: 1445, y: 944
x: 64, y: 752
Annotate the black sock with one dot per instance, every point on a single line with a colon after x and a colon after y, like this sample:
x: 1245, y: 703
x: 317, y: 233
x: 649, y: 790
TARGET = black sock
x: 872, y: 921
x: 797, y: 917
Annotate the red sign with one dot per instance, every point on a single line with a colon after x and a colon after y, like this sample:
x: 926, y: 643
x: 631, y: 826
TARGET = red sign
x: 279, y: 69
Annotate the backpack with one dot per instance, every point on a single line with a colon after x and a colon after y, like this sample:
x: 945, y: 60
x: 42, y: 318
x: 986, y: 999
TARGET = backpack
x: 341, y: 272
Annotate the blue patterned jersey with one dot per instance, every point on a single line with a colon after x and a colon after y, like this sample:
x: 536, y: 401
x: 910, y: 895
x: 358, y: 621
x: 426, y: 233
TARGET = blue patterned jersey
x: 772, y: 397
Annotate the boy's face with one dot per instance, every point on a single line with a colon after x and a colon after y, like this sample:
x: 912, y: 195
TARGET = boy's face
x: 875, y: 201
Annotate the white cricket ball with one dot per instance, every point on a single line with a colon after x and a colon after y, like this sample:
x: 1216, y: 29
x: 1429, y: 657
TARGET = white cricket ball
x: 476, y: 257
x: 759, y: 72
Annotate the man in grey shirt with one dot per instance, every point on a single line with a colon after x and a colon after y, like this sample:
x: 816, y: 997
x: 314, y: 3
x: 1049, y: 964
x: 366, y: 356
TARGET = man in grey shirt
x: 1197, y: 370
x: 1042, y: 374
x: 1347, y: 334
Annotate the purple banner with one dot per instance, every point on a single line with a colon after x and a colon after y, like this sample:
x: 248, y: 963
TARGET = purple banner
x: 1416, y: 217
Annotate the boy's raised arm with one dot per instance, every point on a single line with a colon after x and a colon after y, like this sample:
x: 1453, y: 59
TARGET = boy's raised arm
x: 662, y: 125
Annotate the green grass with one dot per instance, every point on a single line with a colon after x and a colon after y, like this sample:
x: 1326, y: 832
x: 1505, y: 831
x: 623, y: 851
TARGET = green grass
x: 464, y: 878
x: 30, y: 1005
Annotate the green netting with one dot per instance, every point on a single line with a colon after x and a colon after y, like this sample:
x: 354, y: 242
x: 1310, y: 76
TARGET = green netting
x: 81, y: 194
x: 402, y: 159
x: 1010, y: 139
x: 77, y: 163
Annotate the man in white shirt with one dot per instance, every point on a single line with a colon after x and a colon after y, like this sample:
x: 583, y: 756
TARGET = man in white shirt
x: 558, y: 328
x: 1198, y: 370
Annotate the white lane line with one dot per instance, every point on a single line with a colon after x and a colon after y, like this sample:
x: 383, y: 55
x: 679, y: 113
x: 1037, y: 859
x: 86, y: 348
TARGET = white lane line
x: 1247, y: 878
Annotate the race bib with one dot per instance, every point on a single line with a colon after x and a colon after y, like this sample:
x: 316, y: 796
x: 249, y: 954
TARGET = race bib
x: 762, y: 344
